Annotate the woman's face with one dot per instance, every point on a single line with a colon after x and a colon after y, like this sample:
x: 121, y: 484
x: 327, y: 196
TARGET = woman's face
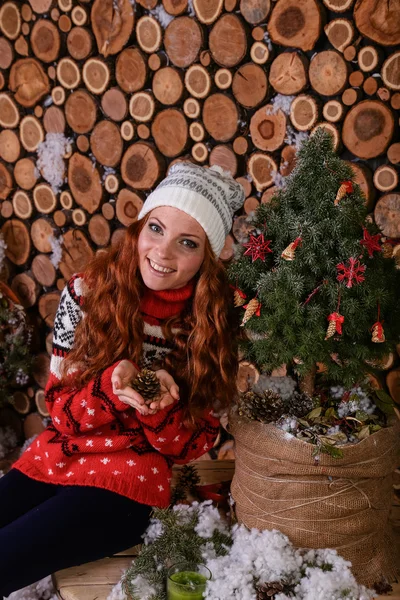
x: 171, y: 248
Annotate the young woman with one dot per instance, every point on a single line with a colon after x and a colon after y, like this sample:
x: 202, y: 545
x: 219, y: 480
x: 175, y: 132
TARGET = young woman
x: 84, y: 488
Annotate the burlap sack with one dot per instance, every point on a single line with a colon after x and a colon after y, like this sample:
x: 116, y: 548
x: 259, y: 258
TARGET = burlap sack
x: 339, y: 503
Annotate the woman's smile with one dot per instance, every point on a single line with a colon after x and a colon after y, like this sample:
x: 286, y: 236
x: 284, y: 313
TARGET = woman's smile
x: 159, y: 269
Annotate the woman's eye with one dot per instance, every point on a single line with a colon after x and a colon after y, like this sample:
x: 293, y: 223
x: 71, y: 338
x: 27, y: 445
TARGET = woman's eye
x: 157, y: 227
x: 190, y: 244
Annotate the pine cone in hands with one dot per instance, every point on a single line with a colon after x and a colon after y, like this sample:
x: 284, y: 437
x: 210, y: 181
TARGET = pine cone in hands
x: 265, y: 407
x: 147, y: 384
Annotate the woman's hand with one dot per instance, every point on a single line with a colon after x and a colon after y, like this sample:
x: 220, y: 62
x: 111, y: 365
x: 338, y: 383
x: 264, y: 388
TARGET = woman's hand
x: 121, y: 377
x: 169, y: 392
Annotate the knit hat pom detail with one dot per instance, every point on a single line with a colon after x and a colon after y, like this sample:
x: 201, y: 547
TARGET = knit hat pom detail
x: 221, y: 171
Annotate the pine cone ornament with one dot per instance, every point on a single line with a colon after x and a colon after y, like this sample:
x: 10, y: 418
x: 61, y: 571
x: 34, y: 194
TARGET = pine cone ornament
x: 331, y: 330
x: 289, y: 252
x: 335, y: 325
x: 147, y: 384
x: 345, y: 188
x: 378, y: 334
x: 266, y: 407
x: 269, y: 590
x: 252, y: 308
x: 239, y: 298
x: 300, y: 404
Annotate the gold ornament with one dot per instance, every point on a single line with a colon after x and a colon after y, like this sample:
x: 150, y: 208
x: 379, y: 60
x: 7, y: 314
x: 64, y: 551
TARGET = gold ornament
x: 289, y: 252
x: 378, y: 335
x: 238, y: 299
x: 335, y: 324
x: 345, y: 188
x: 252, y: 308
x: 331, y: 330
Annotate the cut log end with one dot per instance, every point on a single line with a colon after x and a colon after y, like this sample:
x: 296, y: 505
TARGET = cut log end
x: 262, y: 168
x: 268, y: 128
x: 304, y: 112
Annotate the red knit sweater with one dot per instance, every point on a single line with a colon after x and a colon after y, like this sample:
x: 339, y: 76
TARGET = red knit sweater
x: 94, y: 438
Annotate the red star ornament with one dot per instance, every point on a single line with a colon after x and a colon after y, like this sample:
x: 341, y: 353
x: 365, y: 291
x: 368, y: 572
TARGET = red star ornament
x: 257, y: 247
x: 371, y: 242
x: 352, y: 272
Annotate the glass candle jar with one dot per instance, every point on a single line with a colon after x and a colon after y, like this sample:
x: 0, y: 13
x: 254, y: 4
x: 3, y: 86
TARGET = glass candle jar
x: 187, y: 581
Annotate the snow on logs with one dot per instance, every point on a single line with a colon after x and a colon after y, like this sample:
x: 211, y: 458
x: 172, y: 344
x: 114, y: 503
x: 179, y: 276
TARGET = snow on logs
x: 138, y: 85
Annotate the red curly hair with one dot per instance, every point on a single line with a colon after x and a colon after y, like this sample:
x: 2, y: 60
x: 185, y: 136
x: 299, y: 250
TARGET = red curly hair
x: 204, y: 361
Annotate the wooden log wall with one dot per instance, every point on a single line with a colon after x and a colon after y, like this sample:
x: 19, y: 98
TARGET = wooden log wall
x: 115, y: 91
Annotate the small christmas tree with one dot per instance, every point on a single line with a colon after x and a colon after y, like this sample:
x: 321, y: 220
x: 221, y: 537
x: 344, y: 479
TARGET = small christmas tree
x: 313, y: 281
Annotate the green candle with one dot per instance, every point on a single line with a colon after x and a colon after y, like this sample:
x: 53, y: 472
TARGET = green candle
x: 186, y: 582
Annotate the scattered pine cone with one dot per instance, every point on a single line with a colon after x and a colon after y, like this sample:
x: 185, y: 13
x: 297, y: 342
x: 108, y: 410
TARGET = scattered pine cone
x: 300, y: 404
x: 382, y: 586
x: 147, y: 384
x: 266, y: 407
x: 269, y: 590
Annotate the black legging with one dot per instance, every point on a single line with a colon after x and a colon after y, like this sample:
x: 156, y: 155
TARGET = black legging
x: 46, y: 527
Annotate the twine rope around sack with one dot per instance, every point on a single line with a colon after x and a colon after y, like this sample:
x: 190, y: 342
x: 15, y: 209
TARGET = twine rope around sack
x: 337, y: 503
x: 341, y: 547
x: 345, y: 488
x: 360, y: 539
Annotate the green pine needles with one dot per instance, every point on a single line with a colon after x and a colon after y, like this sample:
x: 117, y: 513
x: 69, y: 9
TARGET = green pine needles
x: 15, y: 352
x: 173, y: 537
x: 297, y: 296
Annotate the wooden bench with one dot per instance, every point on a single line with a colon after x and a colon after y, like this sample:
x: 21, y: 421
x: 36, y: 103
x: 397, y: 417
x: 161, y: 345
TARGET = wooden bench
x: 94, y: 581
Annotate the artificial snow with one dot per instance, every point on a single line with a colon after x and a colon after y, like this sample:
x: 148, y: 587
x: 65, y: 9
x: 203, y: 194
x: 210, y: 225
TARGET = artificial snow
x: 41, y: 590
x: 107, y: 171
x: 279, y: 180
x: 27, y: 443
x: 8, y: 440
x: 117, y: 593
x: 295, y: 138
x: 191, y: 11
x: 267, y: 40
x: 281, y: 102
x: 3, y: 247
x: 50, y: 161
x: 358, y: 400
x: 143, y: 588
x: 154, y: 531
x: 284, y: 386
x: 162, y: 16
x: 56, y: 250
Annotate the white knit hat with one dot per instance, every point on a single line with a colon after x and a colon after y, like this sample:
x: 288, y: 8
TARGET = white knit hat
x: 209, y: 195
